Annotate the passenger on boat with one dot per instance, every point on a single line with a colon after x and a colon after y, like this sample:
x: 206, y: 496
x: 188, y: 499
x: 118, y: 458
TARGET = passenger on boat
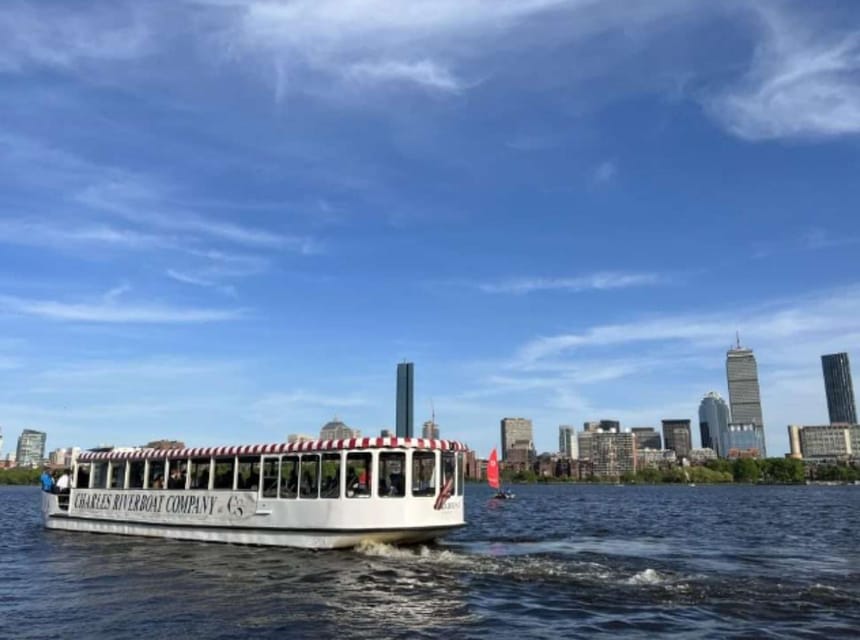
x: 176, y: 479
x: 46, y: 480
x: 63, y: 483
x: 158, y: 483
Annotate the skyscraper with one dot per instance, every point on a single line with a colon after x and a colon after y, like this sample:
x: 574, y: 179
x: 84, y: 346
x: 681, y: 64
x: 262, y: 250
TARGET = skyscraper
x: 567, y: 442
x: 405, y: 402
x: 647, y: 438
x: 31, y: 448
x: 516, y: 434
x: 744, y: 395
x: 839, y: 389
x: 676, y: 436
x: 713, y: 420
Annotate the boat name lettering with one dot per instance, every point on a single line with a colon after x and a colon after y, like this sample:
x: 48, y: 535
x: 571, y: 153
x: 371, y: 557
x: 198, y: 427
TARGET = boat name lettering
x: 141, y: 502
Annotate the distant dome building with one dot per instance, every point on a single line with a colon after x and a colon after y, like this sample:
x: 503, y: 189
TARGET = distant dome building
x: 337, y: 430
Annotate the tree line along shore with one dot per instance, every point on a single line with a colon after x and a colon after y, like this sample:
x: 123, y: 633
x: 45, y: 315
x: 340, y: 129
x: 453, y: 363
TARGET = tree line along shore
x: 741, y: 470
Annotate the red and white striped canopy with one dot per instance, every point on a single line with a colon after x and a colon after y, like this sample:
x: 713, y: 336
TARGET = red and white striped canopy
x: 281, y: 447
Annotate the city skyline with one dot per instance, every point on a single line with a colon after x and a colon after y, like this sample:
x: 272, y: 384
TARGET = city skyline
x: 562, y: 210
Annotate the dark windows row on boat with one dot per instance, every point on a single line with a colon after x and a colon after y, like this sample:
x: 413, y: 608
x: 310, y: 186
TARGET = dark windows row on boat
x: 305, y: 476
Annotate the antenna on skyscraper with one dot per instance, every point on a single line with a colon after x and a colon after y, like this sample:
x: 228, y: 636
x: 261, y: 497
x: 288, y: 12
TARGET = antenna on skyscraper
x: 738, y: 338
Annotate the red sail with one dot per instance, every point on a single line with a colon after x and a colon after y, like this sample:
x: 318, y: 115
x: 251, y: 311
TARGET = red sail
x: 493, y: 469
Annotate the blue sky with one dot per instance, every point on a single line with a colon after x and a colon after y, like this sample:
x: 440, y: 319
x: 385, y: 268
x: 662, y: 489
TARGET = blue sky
x: 225, y: 221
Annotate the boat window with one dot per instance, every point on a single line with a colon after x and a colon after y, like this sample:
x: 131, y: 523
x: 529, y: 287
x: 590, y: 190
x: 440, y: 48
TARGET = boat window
x: 358, y: 475
x: 176, y: 479
x: 309, y: 486
x: 82, y: 479
x: 330, y: 476
x: 270, y: 477
x: 248, y: 477
x: 100, y: 475
x: 449, y: 470
x: 116, y: 475
x: 392, y: 474
x: 224, y: 468
x: 461, y: 473
x: 155, y: 475
x: 136, y: 469
x: 423, y: 473
x: 199, y: 473
x: 289, y: 476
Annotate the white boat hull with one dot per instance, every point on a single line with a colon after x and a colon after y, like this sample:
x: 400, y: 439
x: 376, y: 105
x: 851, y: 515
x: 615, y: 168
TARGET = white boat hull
x: 247, y: 532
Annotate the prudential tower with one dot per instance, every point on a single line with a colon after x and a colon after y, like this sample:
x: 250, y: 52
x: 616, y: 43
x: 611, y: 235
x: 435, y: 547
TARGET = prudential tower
x: 744, y: 395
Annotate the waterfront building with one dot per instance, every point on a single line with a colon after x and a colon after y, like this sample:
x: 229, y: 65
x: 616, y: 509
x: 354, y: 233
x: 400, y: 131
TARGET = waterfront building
x: 744, y: 393
x: 591, y: 427
x: 386, y: 433
x: 655, y: 458
x: 610, y: 425
x: 337, y: 430
x: 430, y: 430
x: 473, y: 465
x: 647, y: 438
x: 743, y: 440
x: 612, y: 454
x: 405, y: 399
x: 794, y: 442
x: 714, y: 419
x: 703, y: 454
x: 568, y: 445
x: 839, y: 388
x: 821, y: 443
x: 517, y: 434
x: 31, y: 448
x: 64, y: 457
x: 299, y: 437
x: 677, y: 437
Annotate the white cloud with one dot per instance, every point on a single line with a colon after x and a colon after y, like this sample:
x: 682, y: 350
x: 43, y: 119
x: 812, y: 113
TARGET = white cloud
x: 109, y: 312
x: 424, y: 73
x: 803, y: 82
x: 42, y: 35
x: 593, y: 282
x: 200, y: 281
x: 605, y: 172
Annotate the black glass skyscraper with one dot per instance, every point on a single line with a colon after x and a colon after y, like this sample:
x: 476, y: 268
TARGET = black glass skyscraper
x: 405, y: 402
x: 839, y: 389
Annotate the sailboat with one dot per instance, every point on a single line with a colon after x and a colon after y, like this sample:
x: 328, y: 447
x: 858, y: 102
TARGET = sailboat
x: 493, y: 477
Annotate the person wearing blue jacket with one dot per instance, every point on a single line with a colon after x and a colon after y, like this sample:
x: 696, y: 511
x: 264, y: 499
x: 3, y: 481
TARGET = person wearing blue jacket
x: 46, y: 480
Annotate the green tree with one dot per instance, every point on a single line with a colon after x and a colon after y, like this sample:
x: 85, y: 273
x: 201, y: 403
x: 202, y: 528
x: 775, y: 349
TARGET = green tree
x: 746, y: 470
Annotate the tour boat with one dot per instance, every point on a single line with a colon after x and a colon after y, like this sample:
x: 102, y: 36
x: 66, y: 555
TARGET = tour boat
x: 319, y: 494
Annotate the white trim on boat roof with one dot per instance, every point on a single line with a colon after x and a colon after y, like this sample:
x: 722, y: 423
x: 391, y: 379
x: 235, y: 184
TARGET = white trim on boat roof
x: 280, y: 447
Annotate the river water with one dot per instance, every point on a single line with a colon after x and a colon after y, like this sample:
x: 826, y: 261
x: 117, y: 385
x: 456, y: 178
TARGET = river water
x: 560, y: 560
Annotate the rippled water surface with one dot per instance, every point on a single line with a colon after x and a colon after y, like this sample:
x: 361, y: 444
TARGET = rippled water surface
x: 573, y: 561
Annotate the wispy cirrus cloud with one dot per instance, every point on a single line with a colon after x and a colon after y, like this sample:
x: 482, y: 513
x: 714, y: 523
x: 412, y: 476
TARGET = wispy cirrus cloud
x: 61, y: 37
x: 802, y: 81
x: 605, y: 172
x: 815, y: 316
x: 109, y: 311
x: 601, y: 281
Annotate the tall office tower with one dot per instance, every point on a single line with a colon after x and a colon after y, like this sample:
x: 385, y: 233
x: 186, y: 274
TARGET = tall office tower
x: 676, y: 436
x: 647, y: 438
x: 839, y: 389
x: 516, y: 434
x: 744, y: 395
x: 405, y: 402
x: 430, y: 430
x: 613, y: 426
x: 713, y: 420
x: 568, y: 444
x: 31, y: 448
